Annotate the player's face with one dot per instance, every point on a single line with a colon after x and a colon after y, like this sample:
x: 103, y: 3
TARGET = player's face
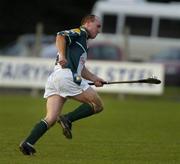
x: 94, y: 28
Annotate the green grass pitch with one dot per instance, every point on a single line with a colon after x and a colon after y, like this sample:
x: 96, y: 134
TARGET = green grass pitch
x: 126, y: 132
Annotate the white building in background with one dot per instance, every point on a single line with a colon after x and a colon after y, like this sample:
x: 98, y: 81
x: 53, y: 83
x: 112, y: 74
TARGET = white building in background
x: 152, y: 26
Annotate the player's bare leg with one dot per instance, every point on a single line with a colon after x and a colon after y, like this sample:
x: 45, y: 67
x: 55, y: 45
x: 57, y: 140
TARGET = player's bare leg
x: 91, y: 104
x: 90, y: 96
x: 54, y: 107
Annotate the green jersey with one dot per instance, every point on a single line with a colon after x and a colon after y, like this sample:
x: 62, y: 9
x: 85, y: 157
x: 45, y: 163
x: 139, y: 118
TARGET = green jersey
x: 76, y: 49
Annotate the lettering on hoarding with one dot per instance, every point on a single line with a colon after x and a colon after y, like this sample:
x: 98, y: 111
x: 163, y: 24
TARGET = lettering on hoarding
x: 34, y: 72
x: 120, y: 74
x: 10, y: 71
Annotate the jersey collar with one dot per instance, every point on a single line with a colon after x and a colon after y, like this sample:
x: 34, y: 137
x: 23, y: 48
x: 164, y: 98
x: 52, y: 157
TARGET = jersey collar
x: 85, y: 30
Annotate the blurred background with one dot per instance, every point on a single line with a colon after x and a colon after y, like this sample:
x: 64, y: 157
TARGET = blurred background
x: 136, y: 31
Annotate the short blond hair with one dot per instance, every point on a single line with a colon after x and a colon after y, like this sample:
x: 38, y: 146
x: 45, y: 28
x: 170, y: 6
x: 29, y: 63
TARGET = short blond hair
x: 89, y: 17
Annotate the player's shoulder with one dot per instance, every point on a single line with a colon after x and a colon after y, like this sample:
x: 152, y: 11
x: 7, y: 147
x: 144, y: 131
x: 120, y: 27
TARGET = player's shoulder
x: 74, y: 31
x: 79, y: 31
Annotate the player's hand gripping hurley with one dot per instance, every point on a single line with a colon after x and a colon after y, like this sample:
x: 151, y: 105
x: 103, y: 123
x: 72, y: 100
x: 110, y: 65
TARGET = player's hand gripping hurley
x: 148, y: 81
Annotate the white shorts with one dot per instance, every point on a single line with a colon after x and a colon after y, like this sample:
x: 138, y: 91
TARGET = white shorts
x: 60, y: 82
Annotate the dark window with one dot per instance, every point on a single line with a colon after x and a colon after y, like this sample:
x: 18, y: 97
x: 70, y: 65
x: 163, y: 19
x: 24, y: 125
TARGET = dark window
x: 104, y: 52
x: 139, y: 25
x: 169, y: 28
x: 168, y: 55
x: 109, y: 23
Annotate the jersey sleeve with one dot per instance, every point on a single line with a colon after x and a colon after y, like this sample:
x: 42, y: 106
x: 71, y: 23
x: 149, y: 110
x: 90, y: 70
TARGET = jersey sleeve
x: 70, y: 35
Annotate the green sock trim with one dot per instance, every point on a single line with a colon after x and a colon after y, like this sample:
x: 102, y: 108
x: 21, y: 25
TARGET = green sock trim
x: 38, y: 130
x: 82, y: 111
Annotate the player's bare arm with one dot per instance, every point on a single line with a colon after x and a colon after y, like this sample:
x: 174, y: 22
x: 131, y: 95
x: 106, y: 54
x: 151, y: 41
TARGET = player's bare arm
x: 92, y: 77
x: 61, y: 46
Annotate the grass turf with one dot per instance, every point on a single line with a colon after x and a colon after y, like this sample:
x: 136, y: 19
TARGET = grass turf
x: 127, y: 132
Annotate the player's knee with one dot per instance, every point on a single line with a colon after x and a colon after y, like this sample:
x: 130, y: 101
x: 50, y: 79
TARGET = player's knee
x: 98, y: 108
x: 50, y: 120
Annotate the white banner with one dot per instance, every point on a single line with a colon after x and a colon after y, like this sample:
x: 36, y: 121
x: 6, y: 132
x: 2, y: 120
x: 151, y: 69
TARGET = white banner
x: 24, y: 72
x: 33, y: 73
